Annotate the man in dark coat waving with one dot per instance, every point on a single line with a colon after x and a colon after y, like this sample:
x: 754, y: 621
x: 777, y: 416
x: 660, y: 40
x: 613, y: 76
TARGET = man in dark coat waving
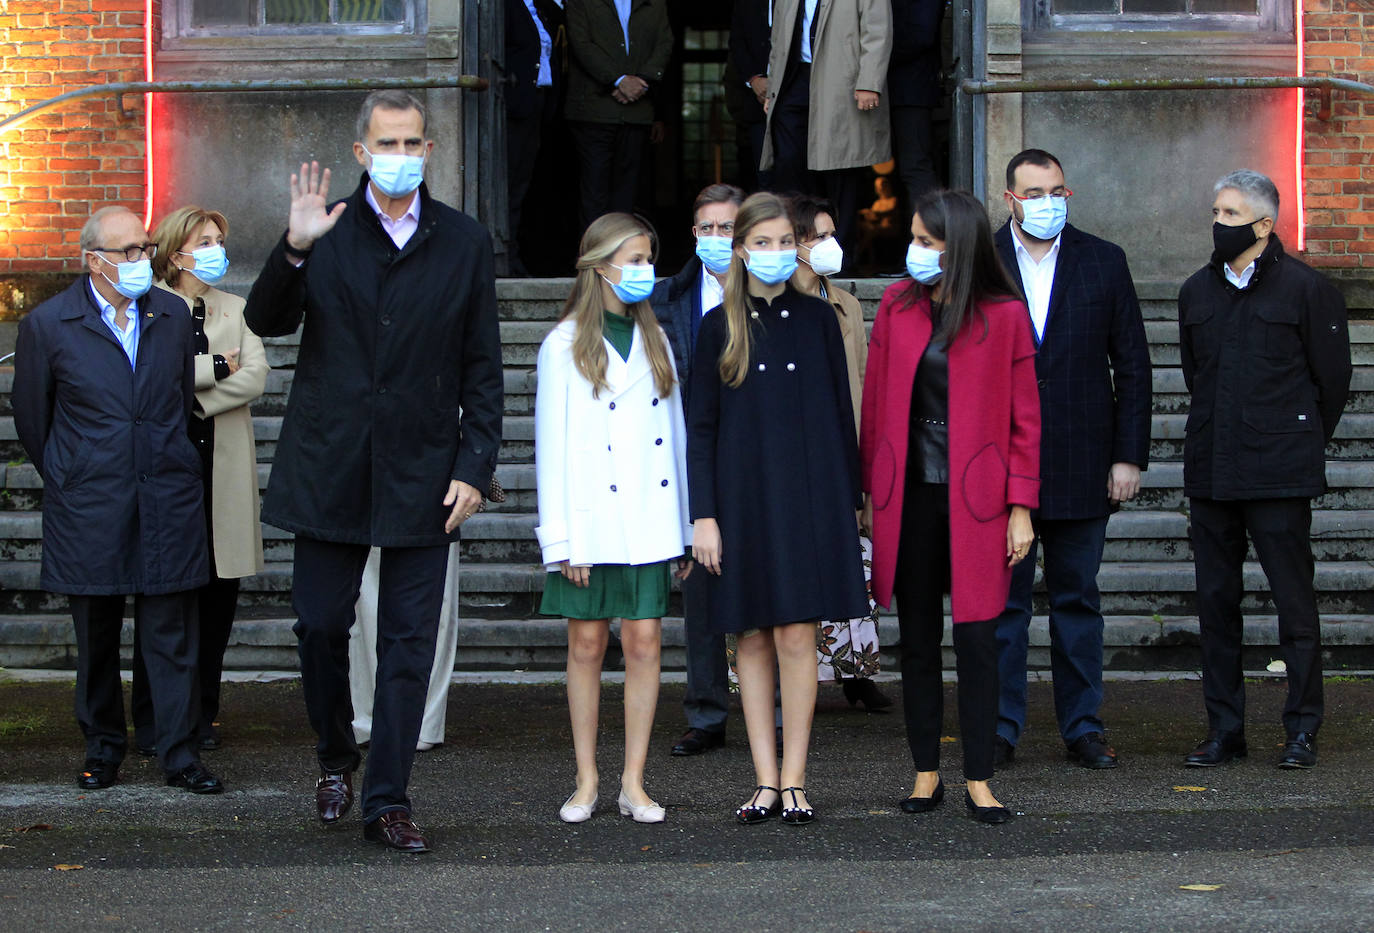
x: 391, y: 431
x: 104, y: 379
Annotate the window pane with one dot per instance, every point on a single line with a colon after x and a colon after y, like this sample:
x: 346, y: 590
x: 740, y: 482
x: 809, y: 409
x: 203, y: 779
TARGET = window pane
x: 1250, y: 7
x: 371, y: 11
x: 1085, y: 6
x: 221, y: 13
x: 1154, y: 6
x: 296, y: 11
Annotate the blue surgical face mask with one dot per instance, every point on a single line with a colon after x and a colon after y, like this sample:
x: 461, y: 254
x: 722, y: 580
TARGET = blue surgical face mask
x: 636, y: 282
x: 135, y: 278
x: 924, y: 264
x: 394, y: 174
x: 715, y: 253
x: 211, y: 263
x: 1043, y: 218
x: 771, y: 266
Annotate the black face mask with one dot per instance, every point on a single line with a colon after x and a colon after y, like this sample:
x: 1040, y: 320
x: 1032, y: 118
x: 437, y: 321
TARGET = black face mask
x: 1230, y: 242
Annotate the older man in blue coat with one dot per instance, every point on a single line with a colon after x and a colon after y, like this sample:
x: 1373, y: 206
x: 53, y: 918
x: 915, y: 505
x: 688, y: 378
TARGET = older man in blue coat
x: 103, y: 383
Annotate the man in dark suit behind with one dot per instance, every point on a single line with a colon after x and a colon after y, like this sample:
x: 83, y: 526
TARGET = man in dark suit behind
x: 679, y: 303
x: 533, y: 67
x: 746, y: 85
x: 1093, y: 370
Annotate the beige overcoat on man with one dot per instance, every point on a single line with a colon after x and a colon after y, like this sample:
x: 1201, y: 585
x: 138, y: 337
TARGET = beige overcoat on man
x: 236, y: 529
x: 852, y: 47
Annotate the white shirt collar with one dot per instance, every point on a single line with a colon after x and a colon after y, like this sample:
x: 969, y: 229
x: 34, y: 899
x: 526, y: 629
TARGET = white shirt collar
x: 712, y: 292
x: 402, y: 227
x: 1022, y: 251
x: 1242, y: 280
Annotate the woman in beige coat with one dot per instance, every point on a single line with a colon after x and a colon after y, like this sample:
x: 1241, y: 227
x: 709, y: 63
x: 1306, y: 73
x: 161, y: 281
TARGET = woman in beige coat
x: 231, y: 372
x: 847, y: 649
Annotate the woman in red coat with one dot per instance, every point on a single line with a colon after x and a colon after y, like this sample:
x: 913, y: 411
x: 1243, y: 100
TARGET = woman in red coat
x: 950, y: 450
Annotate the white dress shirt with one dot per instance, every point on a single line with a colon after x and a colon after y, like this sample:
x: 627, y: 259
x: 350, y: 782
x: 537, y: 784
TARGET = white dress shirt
x: 1038, y: 280
x: 712, y: 292
x: 1242, y: 280
x: 400, y: 229
x: 128, y: 337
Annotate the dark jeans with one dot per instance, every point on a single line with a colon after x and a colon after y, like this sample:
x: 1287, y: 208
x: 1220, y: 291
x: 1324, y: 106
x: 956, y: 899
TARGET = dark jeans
x: 327, y: 577
x: 1073, y: 554
x: 166, y: 631
x: 610, y: 156
x: 921, y: 582
x: 790, y: 173
x: 707, y: 701
x: 1281, y: 532
x: 216, y: 604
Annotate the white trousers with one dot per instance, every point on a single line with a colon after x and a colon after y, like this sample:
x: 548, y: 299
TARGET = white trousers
x: 362, y: 653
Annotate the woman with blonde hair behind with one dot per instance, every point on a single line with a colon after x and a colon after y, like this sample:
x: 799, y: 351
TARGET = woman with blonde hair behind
x: 231, y: 372
x: 774, y: 470
x: 612, y: 486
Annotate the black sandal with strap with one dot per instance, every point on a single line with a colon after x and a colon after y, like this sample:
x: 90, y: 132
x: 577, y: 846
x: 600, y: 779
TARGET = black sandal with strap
x: 753, y: 812
x: 795, y: 815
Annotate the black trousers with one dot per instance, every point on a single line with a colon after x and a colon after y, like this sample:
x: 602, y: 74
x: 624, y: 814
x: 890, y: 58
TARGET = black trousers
x: 913, y: 144
x: 523, y: 136
x: 167, y: 633
x: 1281, y: 531
x: 216, y: 604
x: 327, y: 577
x: 921, y: 582
x: 707, y: 700
x: 791, y: 173
x: 610, y: 156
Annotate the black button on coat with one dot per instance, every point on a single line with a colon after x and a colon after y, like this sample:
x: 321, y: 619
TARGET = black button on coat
x: 122, y: 498
x: 379, y: 420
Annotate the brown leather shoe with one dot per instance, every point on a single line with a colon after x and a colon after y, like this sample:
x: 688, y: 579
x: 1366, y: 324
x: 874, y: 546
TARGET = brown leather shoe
x: 395, y: 830
x: 333, y: 795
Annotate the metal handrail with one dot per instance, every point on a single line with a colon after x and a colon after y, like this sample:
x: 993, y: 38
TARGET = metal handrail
x: 1323, y: 84
x: 118, y: 90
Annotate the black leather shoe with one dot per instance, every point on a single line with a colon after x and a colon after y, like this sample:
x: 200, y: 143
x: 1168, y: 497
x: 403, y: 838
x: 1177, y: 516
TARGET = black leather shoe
x: 1217, y: 749
x: 1300, y: 751
x: 147, y: 751
x: 209, y: 740
x: 395, y: 830
x: 1092, y: 751
x: 196, y: 778
x: 865, y: 691
x: 333, y: 795
x: 795, y: 815
x: 924, y: 804
x: 696, y: 741
x: 755, y: 812
x: 1003, y: 753
x: 992, y: 815
x: 97, y: 774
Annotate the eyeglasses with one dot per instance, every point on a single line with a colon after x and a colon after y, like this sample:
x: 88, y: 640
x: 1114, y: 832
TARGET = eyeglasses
x: 1056, y: 193
x: 132, y: 253
x: 715, y: 229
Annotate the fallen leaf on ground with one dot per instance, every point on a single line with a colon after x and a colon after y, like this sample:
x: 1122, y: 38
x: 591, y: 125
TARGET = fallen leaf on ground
x: 1276, y: 667
x: 948, y: 738
x: 1188, y: 787
x: 645, y: 848
x: 1199, y: 887
x: 65, y: 867
x: 35, y: 828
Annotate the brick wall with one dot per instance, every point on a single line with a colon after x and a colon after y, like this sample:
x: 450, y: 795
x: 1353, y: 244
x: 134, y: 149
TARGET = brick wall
x: 85, y: 153
x: 1339, y: 157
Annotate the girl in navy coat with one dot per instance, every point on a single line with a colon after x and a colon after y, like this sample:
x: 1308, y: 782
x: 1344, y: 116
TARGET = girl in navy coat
x: 773, y: 463
x: 609, y: 458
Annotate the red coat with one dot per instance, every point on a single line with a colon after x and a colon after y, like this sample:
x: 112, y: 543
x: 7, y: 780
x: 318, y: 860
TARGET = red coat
x: 994, y: 442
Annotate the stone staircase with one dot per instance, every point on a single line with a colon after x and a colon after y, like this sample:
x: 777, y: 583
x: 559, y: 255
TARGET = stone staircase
x: 1146, y: 580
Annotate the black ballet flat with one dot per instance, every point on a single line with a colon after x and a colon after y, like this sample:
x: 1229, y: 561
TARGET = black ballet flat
x: 865, y: 691
x: 796, y: 816
x: 753, y: 812
x: 992, y: 815
x: 924, y: 804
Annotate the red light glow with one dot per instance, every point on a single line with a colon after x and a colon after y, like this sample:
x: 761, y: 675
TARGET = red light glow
x: 1299, y: 146
x: 148, y: 114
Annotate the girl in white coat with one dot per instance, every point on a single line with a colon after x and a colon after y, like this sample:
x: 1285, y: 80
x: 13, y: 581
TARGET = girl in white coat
x: 612, y: 479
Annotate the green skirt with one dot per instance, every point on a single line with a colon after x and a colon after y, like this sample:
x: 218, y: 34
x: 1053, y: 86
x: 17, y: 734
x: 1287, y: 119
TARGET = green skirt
x: 614, y: 591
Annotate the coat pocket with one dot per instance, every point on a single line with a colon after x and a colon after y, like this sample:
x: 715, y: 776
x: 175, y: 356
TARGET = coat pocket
x: 1282, y: 444
x: 884, y: 474
x: 985, y: 484
x: 1274, y: 333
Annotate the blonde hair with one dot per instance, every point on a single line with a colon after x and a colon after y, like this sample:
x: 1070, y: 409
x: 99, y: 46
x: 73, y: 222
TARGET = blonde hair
x: 172, y: 232
x: 734, y: 357
x: 584, y: 305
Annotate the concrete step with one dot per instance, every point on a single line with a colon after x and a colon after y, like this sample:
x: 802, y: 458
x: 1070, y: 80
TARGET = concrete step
x: 1131, y: 642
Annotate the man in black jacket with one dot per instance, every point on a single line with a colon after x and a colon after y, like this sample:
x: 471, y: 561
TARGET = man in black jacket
x: 1265, y: 350
x: 915, y: 91
x: 679, y: 304
x: 533, y: 69
x: 391, y: 430
x: 1093, y: 370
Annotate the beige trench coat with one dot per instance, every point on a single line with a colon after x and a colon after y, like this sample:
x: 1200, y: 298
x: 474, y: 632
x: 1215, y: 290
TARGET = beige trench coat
x: 237, y: 531
x: 851, y: 317
x: 853, y: 44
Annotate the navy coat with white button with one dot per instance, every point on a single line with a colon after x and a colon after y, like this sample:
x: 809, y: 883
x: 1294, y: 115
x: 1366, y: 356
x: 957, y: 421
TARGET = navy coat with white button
x: 397, y: 388
x: 611, y: 469
x: 122, y: 500
x: 776, y: 462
